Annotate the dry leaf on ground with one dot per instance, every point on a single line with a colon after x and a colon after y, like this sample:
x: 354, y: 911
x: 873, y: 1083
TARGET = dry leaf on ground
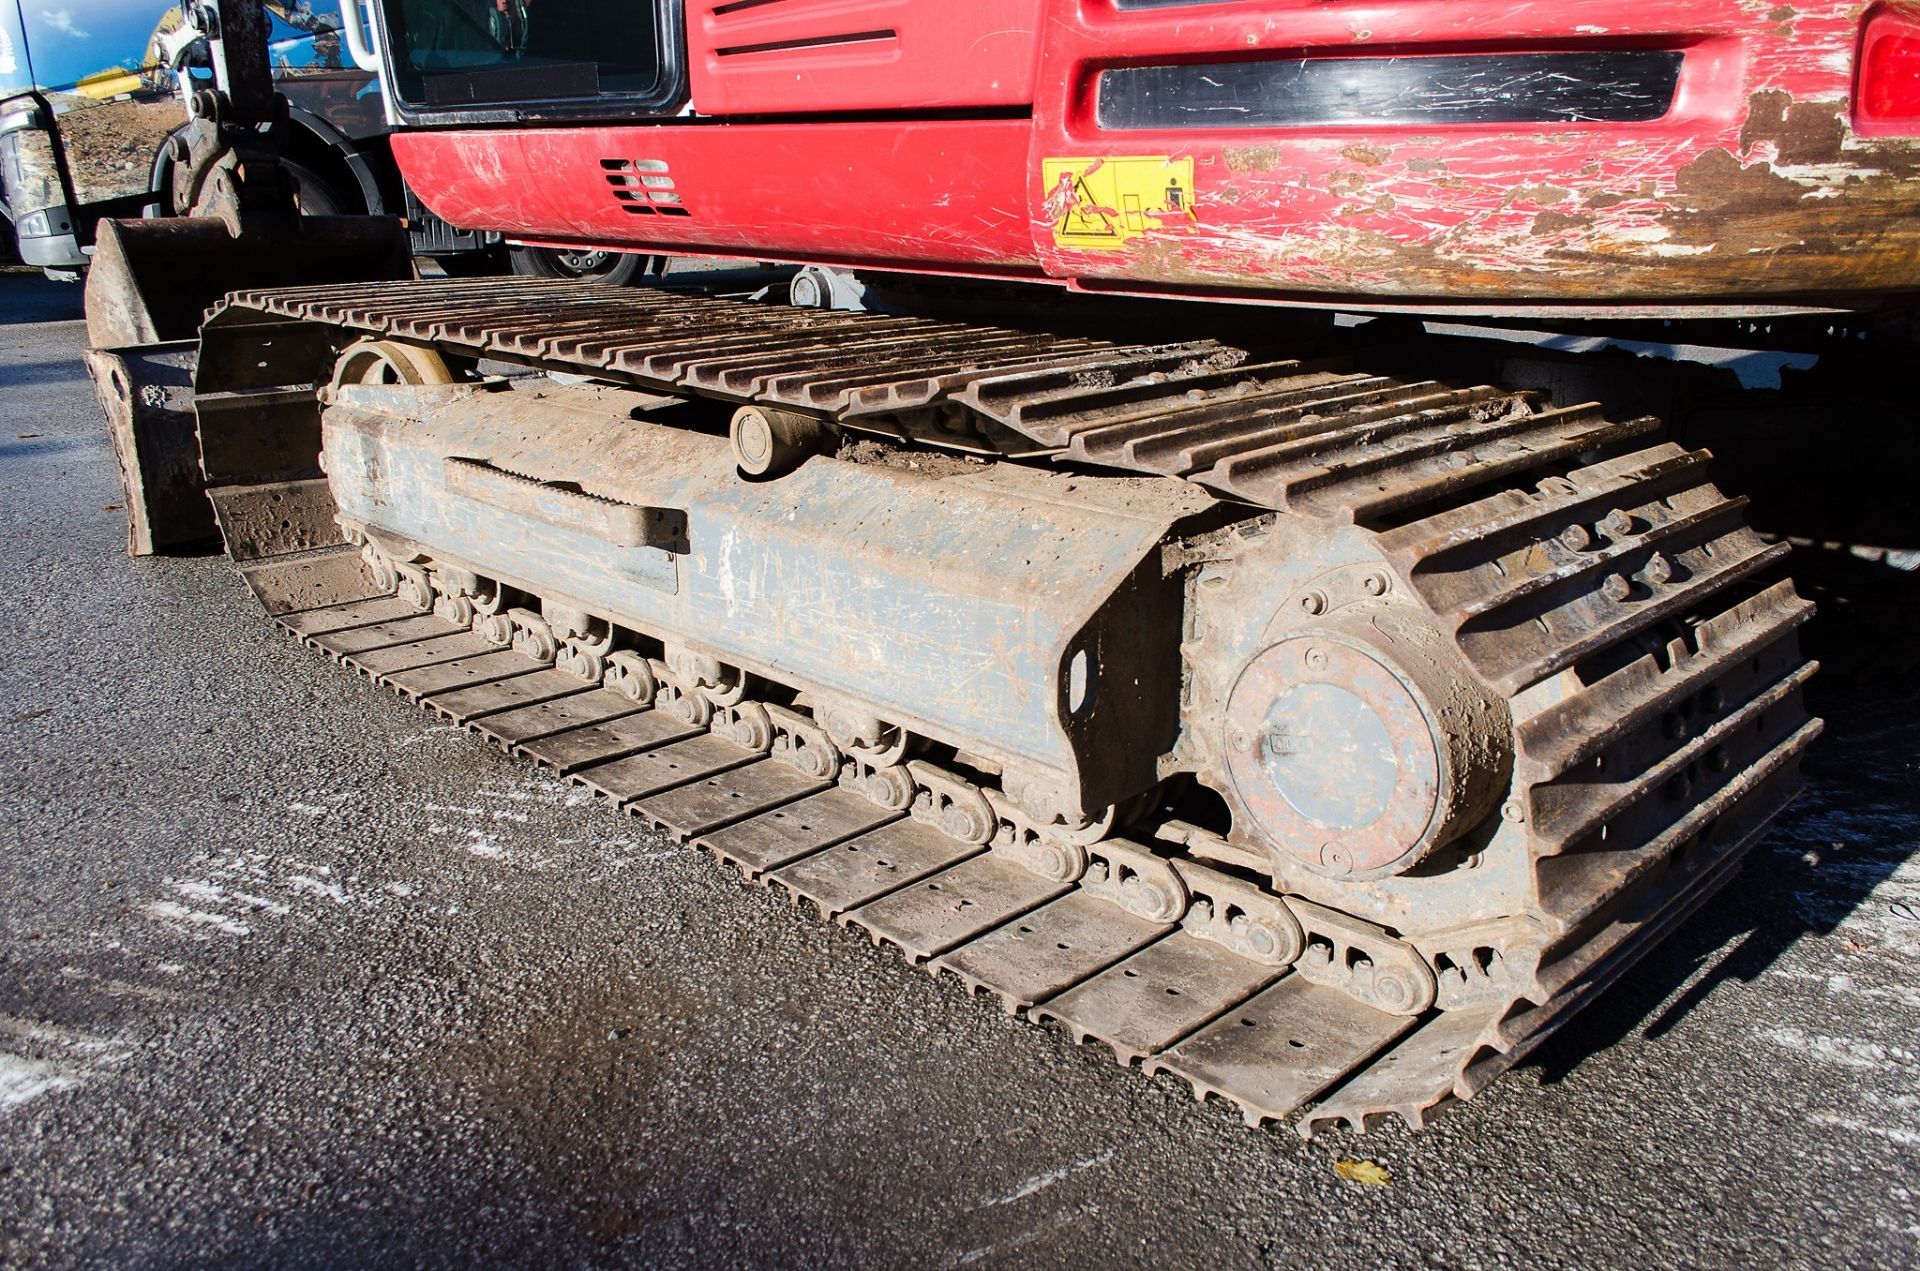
x: 1366, y: 1173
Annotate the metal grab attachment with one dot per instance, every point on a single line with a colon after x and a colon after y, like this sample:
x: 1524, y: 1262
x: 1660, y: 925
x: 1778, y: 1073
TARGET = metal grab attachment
x: 565, y: 506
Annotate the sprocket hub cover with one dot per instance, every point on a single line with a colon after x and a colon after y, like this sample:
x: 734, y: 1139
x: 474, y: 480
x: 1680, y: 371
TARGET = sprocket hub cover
x: 1358, y: 756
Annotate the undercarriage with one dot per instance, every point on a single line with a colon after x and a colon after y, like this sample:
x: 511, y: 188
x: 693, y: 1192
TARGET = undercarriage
x: 1319, y: 735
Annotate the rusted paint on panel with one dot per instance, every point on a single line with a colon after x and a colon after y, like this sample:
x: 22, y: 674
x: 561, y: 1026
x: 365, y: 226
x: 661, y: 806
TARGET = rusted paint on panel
x: 1752, y: 190
x: 1754, y: 184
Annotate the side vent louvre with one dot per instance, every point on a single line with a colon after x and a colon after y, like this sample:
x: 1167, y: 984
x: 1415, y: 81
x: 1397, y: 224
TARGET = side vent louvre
x: 808, y: 42
x: 643, y: 187
x: 794, y: 30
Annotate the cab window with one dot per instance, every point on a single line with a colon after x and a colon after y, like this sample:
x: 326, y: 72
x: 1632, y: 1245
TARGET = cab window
x: 449, y: 53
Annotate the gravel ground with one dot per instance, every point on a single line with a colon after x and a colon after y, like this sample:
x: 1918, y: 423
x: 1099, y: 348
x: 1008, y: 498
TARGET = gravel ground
x: 293, y: 974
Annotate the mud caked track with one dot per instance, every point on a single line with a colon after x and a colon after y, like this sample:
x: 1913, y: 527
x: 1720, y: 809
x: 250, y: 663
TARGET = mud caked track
x: 1491, y: 694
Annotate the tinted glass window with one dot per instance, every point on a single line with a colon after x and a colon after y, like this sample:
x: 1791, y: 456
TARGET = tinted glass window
x: 450, y: 52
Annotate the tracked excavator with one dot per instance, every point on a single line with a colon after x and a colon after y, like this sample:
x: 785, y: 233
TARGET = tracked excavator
x: 1095, y: 619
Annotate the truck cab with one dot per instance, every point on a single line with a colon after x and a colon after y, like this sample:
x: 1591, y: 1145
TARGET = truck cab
x: 93, y: 99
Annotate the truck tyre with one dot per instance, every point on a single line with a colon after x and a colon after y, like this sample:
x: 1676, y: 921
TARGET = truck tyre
x: 616, y: 269
x: 312, y: 194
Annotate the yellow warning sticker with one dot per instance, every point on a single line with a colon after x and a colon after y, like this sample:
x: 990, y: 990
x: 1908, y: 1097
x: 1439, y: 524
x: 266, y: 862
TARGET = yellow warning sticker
x: 1099, y: 204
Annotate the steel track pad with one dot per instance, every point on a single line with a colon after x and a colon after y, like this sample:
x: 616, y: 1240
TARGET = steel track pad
x: 1159, y: 995
x: 871, y: 865
x: 777, y: 837
x: 568, y: 752
x: 1283, y: 1047
x: 1050, y: 950
x: 955, y: 905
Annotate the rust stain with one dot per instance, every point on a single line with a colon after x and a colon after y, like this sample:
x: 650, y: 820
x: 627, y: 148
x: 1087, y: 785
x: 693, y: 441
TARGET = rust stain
x: 1717, y: 181
x: 1379, y: 205
x: 1366, y: 156
x: 1245, y: 159
x: 1557, y: 222
x: 1347, y: 184
x: 1803, y: 132
x: 1541, y: 195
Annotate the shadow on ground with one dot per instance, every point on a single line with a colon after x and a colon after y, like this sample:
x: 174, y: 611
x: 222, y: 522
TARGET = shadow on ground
x: 34, y: 297
x: 1818, y: 865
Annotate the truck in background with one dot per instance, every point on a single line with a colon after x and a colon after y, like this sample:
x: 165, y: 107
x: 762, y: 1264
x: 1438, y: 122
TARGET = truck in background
x: 94, y: 101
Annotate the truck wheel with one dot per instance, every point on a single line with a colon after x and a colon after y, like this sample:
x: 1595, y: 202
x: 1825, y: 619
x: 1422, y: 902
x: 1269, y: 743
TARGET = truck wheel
x: 312, y: 195
x: 486, y: 263
x: 616, y: 269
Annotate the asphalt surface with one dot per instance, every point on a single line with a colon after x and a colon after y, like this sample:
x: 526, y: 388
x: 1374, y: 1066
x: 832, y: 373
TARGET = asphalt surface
x: 292, y: 974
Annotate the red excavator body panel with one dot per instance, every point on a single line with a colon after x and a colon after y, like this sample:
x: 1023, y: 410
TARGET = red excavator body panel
x: 1466, y: 155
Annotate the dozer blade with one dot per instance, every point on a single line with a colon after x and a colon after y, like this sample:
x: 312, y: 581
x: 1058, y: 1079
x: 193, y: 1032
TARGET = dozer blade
x: 150, y: 284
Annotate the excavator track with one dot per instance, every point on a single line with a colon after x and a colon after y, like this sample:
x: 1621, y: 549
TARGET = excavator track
x: 1594, y: 583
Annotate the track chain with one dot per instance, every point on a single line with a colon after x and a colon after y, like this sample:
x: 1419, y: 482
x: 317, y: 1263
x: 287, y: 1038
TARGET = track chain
x: 1555, y: 555
x: 1172, y: 964
x: 1166, y: 961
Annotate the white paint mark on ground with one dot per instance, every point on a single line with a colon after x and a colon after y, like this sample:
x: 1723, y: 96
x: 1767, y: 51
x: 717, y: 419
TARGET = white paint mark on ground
x: 1847, y: 1052
x: 1040, y: 1182
x: 42, y: 1058
x: 1898, y: 1134
x: 545, y: 790
x: 428, y: 734
x: 1025, y: 1238
x: 400, y: 889
x: 24, y: 1080
x: 170, y: 911
x: 315, y: 887
x: 210, y: 894
x: 307, y: 809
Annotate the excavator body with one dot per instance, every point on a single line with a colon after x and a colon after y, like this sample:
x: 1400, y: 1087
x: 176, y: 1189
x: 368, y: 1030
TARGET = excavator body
x: 1275, y: 702
x: 1477, y: 157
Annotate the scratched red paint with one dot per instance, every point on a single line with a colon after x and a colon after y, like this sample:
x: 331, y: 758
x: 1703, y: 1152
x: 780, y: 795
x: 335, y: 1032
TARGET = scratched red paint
x: 1752, y: 188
